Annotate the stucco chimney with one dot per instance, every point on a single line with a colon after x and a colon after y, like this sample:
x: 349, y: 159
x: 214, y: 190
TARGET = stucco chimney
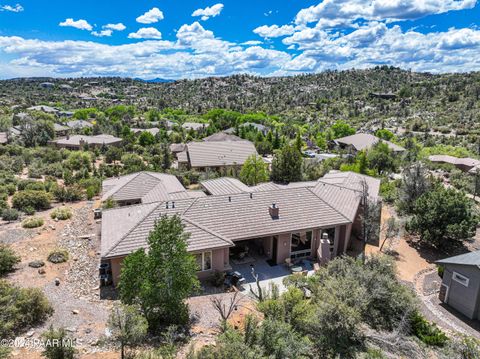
x: 274, y: 211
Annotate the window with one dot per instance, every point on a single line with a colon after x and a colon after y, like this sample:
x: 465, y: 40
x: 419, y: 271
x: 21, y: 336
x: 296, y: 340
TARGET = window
x: 460, y: 279
x: 204, y: 261
x: 301, y: 245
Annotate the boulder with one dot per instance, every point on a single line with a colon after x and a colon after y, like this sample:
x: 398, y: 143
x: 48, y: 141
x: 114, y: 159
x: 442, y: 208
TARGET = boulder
x: 36, y: 264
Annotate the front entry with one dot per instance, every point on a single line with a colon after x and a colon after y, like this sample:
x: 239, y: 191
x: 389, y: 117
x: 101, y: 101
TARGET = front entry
x: 274, y: 249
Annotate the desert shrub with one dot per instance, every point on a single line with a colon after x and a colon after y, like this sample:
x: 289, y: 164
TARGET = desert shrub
x: 58, y: 344
x: 427, y: 332
x: 68, y: 194
x: 29, y: 211
x: 58, y: 256
x: 21, y: 308
x: 217, y: 278
x: 32, y: 222
x: 10, y: 214
x: 39, y: 200
x: 8, y: 259
x: 61, y: 213
x: 440, y: 271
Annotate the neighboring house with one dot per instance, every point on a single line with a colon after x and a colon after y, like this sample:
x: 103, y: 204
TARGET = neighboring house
x: 312, y: 220
x: 176, y: 148
x: 464, y: 164
x: 60, y: 130
x: 460, y: 287
x: 145, y: 187
x: 215, y: 155
x: 259, y: 127
x: 47, y: 85
x: 43, y: 108
x: 222, y: 136
x: 137, y: 131
x: 77, y: 142
x: 364, y: 141
x: 195, y: 126
x: 3, y: 138
x: 79, y: 124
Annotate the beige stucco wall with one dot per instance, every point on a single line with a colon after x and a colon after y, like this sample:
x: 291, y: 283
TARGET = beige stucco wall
x: 283, y: 247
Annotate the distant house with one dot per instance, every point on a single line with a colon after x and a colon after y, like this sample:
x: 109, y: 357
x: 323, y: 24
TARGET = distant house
x: 460, y: 287
x: 145, y: 187
x: 222, y: 136
x: 383, y: 95
x: 312, y: 220
x: 215, y: 155
x: 60, y: 130
x: 44, y: 108
x: 464, y: 164
x: 47, y: 85
x: 3, y: 138
x: 195, y: 126
x: 176, y: 148
x: 137, y: 131
x: 364, y: 141
x: 79, y: 124
x: 77, y: 142
x: 257, y: 126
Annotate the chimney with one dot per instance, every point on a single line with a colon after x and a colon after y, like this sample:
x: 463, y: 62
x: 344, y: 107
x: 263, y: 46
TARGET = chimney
x: 273, y: 210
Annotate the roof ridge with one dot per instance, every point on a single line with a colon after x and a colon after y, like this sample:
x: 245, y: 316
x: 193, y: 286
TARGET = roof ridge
x: 328, y: 204
x: 139, y: 222
x: 206, y: 229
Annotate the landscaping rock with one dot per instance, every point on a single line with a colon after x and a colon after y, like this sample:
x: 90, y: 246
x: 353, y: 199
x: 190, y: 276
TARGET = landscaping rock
x: 41, y: 271
x: 36, y: 264
x: 57, y: 282
x: 75, y: 311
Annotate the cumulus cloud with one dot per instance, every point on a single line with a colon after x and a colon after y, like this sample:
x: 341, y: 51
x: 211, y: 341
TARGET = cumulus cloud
x: 146, y: 33
x: 151, y: 16
x: 274, y: 31
x: 115, y: 27
x: 103, y: 33
x: 390, y: 10
x: 16, y: 8
x: 208, y: 12
x: 78, y: 24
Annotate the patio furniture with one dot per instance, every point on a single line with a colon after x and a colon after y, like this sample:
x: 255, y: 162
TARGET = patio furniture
x: 296, y: 269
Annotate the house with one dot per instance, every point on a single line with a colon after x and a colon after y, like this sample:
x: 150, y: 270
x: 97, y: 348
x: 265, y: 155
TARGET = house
x: 364, y: 141
x: 3, y: 138
x: 79, y: 124
x: 215, y: 155
x: 460, y: 286
x: 195, y: 126
x: 222, y: 136
x: 257, y: 126
x: 176, y: 148
x: 77, y: 142
x: 312, y: 220
x: 138, y: 131
x: 145, y: 187
x: 43, y: 108
x: 464, y: 164
x: 60, y: 130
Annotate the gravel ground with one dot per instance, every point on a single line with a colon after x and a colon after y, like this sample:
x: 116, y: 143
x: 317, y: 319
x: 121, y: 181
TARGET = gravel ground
x: 12, y: 235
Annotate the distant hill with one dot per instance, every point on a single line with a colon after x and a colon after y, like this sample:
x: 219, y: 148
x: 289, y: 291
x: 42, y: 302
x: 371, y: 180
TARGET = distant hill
x: 156, y: 80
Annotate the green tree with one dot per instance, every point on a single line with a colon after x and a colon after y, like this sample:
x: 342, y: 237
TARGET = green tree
x: 443, y: 217
x: 161, y: 279
x: 287, y: 165
x: 415, y: 183
x: 146, y: 139
x: 58, y: 345
x: 384, y: 134
x: 127, y: 327
x: 254, y: 171
x: 380, y: 157
x: 341, y: 129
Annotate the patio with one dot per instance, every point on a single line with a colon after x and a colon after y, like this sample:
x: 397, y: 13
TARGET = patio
x: 266, y: 273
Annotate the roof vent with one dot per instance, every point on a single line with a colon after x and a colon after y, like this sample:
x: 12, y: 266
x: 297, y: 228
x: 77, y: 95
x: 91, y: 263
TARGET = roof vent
x: 173, y: 204
x: 273, y: 210
x: 229, y: 199
x: 251, y: 195
x: 166, y: 205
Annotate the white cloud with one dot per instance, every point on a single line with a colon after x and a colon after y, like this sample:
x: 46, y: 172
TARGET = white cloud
x: 16, y: 8
x: 351, y: 10
x: 115, y: 27
x: 151, y: 16
x: 208, y: 12
x: 103, y: 33
x: 274, y: 31
x: 78, y: 24
x: 251, y: 43
x: 146, y: 33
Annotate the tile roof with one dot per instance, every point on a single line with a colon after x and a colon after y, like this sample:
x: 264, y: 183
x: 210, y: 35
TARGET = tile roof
x: 466, y: 161
x: 353, y: 181
x: 222, y: 153
x: 222, y: 136
x: 78, y: 124
x: 59, y: 128
x: 469, y: 259
x: 98, y: 140
x: 363, y: 141
x: 3, y: 137
x: 145, y: 186
x: 194, y: 126
x: 154, y: 131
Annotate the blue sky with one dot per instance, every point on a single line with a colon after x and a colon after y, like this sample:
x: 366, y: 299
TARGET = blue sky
x: 191, y: 39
